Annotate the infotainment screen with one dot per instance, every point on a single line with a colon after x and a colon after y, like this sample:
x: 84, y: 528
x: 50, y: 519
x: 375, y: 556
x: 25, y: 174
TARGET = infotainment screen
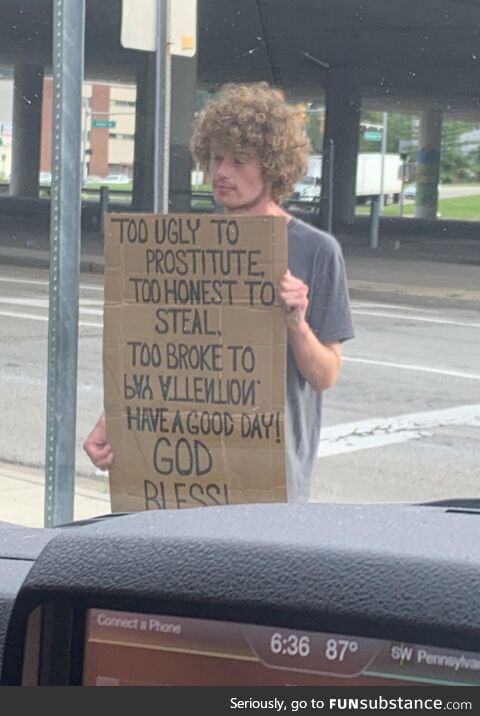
x: 129, y: 649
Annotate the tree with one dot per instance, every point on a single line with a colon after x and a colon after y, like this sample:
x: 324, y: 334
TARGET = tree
x: 399, y: 128
x: 474, y: 158
x: 315, y: 129
x: 455, y: 166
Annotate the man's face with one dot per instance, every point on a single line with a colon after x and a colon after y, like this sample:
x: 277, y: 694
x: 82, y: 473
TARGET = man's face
x: 238, y: 184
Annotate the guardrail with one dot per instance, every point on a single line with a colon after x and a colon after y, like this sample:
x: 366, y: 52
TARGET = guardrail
x: 199, y: 199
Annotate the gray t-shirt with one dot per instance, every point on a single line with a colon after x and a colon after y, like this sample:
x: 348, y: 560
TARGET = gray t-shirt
x: 316, y: 258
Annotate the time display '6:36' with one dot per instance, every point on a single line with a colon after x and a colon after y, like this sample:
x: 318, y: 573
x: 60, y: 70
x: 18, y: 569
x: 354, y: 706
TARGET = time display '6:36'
x: 290, y: 644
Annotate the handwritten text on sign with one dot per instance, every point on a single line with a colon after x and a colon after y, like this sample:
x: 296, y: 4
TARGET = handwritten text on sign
x: 194, y: 359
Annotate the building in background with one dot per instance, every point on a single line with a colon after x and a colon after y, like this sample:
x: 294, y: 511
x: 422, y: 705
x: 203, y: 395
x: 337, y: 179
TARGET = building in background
x: 108, y: 129
x: 470, y: 141
x: 6, y: 103
x: 108, y: 125
x: 5, y: 151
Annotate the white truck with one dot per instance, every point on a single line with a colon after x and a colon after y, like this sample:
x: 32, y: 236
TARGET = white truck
x: 369, y: 177
x: 368, y: 182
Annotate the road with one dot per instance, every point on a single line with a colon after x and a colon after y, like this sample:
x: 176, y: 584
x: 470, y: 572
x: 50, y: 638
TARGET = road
x: 452, y: 191
x: 403, y: 423
x: 449, y: 191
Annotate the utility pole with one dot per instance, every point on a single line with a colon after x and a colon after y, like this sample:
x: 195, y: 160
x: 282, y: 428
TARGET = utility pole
x: 382, y: 168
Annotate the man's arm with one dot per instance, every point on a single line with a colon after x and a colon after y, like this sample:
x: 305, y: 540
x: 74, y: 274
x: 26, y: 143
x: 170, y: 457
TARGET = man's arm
x: 318, y: 362
x: 96, y: 446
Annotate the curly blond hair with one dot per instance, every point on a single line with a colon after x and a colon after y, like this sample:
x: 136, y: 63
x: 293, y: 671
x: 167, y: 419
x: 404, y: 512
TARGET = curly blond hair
x: 255, y: 116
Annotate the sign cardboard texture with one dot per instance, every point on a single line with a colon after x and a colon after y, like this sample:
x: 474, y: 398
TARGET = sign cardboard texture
x: 194, y: 359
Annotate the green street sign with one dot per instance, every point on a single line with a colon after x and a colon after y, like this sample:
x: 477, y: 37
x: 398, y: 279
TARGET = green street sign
x: 372, y: 135
x: 103, y: 123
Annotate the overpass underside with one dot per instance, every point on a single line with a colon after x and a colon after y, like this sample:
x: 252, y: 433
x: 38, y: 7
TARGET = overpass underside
x: 403, y: 56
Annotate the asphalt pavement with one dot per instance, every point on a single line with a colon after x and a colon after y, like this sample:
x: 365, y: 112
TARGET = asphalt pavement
x: 403, y: 422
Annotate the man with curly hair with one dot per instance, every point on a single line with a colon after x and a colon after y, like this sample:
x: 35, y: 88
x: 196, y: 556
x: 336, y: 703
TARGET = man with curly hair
x: 254, y: 147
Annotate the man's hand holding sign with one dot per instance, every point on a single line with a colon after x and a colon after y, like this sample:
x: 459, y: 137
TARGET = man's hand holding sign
x: 318, y: 363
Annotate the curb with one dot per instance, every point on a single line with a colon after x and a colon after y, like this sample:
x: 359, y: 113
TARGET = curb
x: 407, y: 298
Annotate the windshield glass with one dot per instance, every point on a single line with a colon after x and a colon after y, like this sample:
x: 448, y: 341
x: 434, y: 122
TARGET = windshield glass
x: 342, y: 369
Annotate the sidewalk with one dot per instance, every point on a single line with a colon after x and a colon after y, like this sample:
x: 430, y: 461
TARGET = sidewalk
x: 22, y: 491
x: 407, y: 279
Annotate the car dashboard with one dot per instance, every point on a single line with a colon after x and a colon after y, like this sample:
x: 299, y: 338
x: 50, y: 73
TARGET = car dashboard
x: 277, y: 594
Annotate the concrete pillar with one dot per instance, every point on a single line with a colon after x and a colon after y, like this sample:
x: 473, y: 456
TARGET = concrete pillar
x: 428, y: 164
x: 184, y: 81
x: 26, y: 131
x: 184, y: 77
x: 142, y: 198
x: 342, y: 125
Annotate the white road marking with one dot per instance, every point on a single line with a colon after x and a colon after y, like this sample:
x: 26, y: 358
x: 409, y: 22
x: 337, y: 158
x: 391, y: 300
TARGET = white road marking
x: 424, y: 319
x: 43, y: 303
x: 38, y: 282
x: 85, y: 302
x: 38, y: 317
x: 408, y: 366
x: 24, y: 381
x: 348, y: 359
x: 378, y: 432
x: 391, y: 306
x: 360, y: 308
x: 32, y: 302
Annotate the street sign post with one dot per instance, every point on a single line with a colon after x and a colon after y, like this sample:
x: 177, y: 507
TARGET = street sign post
x: 166, y: 27
x: 65, y: 239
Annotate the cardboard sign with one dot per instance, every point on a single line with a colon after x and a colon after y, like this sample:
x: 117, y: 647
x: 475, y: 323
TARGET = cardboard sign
x: 194, y: 360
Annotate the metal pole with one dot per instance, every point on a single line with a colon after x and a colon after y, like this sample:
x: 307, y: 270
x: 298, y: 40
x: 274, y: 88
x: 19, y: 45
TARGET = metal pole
x: 374, y: 222
x: 103, y: 208
x: 402, y: 191
x: 162, y: 110
x: 326, y: 197
x: 382, y: 169
x: 85, y: 122
x: 331, y: 164
x: 68, y: 61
